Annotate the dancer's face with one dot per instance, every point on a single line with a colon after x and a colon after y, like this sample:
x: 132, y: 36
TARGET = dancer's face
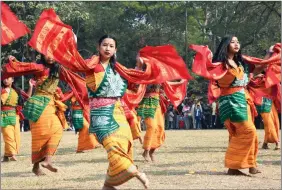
x: 234, y: 46
x: 49, y: 60
x: 107, y: 48
x: 8, y: 81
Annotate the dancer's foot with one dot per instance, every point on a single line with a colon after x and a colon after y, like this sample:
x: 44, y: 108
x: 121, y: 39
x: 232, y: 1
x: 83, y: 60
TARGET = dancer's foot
x: 106, y: 187
x: 49, y: 167
x: 254, y: 170
x: 151, y: 153
x: 13, y: 158
x: 143, y: 178
x: 5, y: 159
x: 36, y: 170
x: 79, y: 151
x: 265, y: 146
x: 277, y: 147
x: 235, y: 172
x: 146, y: 155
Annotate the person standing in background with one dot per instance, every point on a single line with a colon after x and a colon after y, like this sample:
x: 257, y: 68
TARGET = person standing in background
x: 213, y: 119
x: 198, y: 116
x: 186, y: 110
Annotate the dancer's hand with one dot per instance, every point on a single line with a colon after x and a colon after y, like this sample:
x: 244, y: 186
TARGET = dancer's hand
x: 269, y: 52
x: 12, y: 58
x: 139, y: 62
x: 31, y: 82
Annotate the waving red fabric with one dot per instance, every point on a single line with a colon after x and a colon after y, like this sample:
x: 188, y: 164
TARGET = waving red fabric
x: 66, y: 96
x: 78, y: 87
x: 204, y: 67
x: 175, y: 91
x: 19, y: 110
x: 277, y: 100
x: 273, y: 71
x: 76, y: 83
x: 55, y: 39
x: 11, y: 27
x: 258, y: 90
x: 24, y: 95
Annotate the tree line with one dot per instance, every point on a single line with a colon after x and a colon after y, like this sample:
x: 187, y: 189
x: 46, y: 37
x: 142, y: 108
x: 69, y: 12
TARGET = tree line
x: 137, y: 24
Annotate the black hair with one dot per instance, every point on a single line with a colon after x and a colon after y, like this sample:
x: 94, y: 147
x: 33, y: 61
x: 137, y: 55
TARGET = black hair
x: 54, y: 68
x: 113, y: 58
x: 221, y: 54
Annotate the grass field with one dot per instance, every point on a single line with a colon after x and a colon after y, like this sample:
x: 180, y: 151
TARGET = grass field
x: 189, y: 159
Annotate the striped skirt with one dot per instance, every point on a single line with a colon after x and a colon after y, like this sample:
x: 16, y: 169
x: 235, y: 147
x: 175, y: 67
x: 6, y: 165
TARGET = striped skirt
x: 135, y: 126
x: 243, y: 143
x: 271, y: 125
x: 86, y: 141
x: 46, y: 133
x: 119, y: 147
x: 155, y: 133
x: 11, y: 137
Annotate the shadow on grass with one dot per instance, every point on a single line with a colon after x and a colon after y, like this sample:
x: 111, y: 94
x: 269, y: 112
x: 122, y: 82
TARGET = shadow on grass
x: 267, y: 155
x: 182, y: 172
x: 269, y: 162
x: 64, y: 151
x: 179, y: 150
x: 17, y: 174
x: 67, y: 163
x: 185, y: 164
x: 90, y: 178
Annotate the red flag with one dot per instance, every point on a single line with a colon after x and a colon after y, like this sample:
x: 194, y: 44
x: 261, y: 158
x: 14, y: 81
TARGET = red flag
x: 11, y: 27
x: 78, y: 87
x: 203, y: 65
x: 273, y: 71
x: 175, y: 91
x: 55, y: 39
x: 163, y: 64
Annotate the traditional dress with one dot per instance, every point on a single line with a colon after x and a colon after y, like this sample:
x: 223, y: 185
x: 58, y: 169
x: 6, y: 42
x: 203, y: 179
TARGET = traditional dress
x: 150, y: 110
x: 236, y: 107
x: 134, y: 123
x: 10, y: 124
x: 270, y: 119
x: 235, y: 111
x: 267, y: 101
x: 43, y: 110
x: 86, y: 141
x: 109, y: 123
x: 106, y: 87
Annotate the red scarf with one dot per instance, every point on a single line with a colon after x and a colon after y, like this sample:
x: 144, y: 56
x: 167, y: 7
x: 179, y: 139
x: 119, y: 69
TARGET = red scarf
x: 55, y: 39
x: 204, y: 67
x: 11, y: 27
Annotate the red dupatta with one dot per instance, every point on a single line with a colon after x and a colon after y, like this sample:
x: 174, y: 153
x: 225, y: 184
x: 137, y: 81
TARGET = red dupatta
x: 55, y: 39
x: 78, y: 87
x: 76, y: 83
x: 258, y: 90
x: 273, y: 70
x: 11, y: 27
x: 204, y: 67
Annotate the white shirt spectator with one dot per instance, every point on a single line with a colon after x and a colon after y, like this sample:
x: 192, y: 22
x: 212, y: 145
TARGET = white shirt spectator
x: 170, y: 116
x: 213, y: 108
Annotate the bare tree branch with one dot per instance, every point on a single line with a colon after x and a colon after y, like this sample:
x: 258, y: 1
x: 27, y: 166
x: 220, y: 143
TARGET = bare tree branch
x: 259, y: 27
x: 272, y: 8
